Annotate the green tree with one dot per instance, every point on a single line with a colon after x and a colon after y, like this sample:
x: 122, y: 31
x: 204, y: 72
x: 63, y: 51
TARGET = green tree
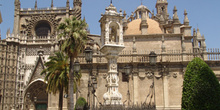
x: 74, y: 33
x: 201, y: 89
x: 57, y: 75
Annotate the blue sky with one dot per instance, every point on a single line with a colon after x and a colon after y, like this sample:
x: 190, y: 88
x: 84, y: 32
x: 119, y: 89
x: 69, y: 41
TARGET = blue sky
x: 201, y: 13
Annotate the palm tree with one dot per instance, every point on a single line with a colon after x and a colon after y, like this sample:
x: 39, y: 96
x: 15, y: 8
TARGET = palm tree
x: 75, y: 37
x: 56, y: 71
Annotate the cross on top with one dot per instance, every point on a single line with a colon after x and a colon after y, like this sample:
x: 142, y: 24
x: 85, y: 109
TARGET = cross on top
x: 111, y: 1
x: 141, y: 2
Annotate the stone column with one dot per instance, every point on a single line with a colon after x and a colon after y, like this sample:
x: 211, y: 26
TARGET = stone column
x: 112, y: 96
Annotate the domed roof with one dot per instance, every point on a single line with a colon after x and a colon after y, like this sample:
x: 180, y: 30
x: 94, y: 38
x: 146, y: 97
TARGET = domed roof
x: 134, y: 27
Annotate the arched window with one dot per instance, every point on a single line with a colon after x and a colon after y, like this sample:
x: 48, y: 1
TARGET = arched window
x: 113, y: 32
x: 42, y: 28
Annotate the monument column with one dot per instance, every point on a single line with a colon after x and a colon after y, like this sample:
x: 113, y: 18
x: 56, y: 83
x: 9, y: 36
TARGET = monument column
x: 112, y: 45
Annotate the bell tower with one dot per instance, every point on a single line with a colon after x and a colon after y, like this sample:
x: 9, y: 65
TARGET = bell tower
x: 111, y: 45
x: 161, y: 7
x: 77, y: 7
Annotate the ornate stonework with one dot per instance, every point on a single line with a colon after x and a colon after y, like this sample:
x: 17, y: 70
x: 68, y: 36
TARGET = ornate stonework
x: 52, y: 20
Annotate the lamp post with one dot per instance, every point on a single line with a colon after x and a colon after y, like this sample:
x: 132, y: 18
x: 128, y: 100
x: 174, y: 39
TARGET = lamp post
x: 88, y: 57
x: 94, y: 86
x: 152, y: 58
x: 88, y: 54
x: 76, y: 66
x: 0, y: 98
x: 76, y: 70
x: 153, y: 61
x: 127, y: 71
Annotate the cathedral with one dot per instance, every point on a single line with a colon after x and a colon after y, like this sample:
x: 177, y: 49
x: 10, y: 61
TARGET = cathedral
x: 122, y: 71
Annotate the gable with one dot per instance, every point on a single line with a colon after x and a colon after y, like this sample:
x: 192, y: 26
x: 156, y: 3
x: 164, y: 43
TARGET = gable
x: 36, y: 73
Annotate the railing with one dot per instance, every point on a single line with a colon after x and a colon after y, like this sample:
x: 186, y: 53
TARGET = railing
x: 142, y: 106
x: 213, y: 54
x: 169, y: 56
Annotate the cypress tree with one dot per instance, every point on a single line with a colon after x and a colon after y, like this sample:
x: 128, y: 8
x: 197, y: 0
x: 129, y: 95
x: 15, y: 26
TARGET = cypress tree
x: 201, y: 89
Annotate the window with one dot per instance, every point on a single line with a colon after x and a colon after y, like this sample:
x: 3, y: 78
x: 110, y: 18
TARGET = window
x: 42, y: 28
x: 125, y: 77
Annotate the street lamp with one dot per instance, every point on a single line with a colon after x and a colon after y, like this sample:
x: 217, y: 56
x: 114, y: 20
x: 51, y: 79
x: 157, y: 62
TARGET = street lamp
x: 76, y: 66
x: 153, y: 61
x: 0, y: 98
x: 88, y: 54
x: 127, y: 71
x: 88, y: 57
x: 153, y: 58
x: 94, y: 86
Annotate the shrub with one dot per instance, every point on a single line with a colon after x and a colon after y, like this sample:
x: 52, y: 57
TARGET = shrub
x: 81, y: 104
x: 201, y: 89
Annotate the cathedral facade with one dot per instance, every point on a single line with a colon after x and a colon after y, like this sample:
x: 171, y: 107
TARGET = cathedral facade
x: 125, y: 41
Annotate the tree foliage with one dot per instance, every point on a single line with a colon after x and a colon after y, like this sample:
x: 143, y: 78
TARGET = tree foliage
x: 201, y: 89
x: 73, y: 38
x: 57, y: 69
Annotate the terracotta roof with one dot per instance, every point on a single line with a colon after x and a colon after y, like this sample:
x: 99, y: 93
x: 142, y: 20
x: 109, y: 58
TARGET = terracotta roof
x: 134, y: 27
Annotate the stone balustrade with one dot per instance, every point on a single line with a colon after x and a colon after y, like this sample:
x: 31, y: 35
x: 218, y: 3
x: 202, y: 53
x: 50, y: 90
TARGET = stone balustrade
x: 170, y: 56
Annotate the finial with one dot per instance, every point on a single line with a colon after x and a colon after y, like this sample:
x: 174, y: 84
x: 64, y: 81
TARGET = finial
x: 51, y: 3
x: 175, y: 16
x: 141, y: 2
x: 67, y: 3
x: 35, y: 6
x: 0, y: 34
x: 186, y: 20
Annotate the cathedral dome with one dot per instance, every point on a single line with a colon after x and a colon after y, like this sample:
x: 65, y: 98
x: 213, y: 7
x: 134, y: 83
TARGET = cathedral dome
x: 135, y: 29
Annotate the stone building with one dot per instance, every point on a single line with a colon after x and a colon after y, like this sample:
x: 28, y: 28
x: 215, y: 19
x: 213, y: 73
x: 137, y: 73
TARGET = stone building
x: 124, y: 42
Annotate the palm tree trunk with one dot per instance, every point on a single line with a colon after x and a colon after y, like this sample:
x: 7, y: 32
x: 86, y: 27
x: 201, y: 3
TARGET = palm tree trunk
x: 71, y: 76
x: 77, y: 91
x: 61, y: 99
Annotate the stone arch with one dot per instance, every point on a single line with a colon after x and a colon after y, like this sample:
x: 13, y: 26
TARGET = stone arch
x: 33, y: 20
x: 42, y: 28
x: 114, y: 30
x: 35, y: 95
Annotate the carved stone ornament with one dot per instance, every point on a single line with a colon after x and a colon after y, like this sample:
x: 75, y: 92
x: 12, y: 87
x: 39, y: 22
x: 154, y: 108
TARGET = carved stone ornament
x: 31, y: 23
x: 149, y: 75
x: 175, y: 75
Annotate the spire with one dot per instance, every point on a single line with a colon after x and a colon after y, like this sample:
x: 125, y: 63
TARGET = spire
x: 199, y: 36
x: 125, y: 24
x: 17, y: 3
x: 175, y: 16
x: 51, y: 3
x: 35, y: 6
x: 111, y: 1
x: 0, y: 17
x: 67, y: 3
x: 186, y: 20
x: 0, y: 35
